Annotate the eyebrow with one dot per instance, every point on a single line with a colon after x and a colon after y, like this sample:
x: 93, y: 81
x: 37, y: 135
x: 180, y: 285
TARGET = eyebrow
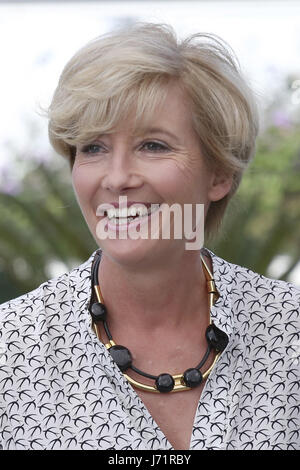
x: 151, y: 130
x: 159, y: 130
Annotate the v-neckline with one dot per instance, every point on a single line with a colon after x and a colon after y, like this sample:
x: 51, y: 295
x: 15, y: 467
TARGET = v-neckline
x: 117, y: 375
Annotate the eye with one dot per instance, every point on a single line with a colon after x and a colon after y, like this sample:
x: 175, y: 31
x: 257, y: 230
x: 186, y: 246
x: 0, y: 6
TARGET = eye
x: 91, y: 148
x: 153, y: 146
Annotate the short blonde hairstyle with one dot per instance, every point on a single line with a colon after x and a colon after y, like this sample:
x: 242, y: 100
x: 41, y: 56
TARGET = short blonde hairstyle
x: 130, y: 68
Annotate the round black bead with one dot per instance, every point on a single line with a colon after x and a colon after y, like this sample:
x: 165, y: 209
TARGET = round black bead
x: 98, y: 312
x: 192, y: 377
x: 121, y: 356
x: 164, y: 383
x: 216, y: 338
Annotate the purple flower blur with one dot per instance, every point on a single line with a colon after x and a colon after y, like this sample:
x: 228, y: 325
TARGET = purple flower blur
x: 281, y: 119
x: 8, y: 184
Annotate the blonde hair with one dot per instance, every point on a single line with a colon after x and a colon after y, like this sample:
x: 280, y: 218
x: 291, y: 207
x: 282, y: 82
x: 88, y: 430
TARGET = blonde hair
x: 130, y: 68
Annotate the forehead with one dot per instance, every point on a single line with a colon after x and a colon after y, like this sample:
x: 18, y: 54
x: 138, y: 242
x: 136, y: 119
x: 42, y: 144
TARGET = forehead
x: 172, y: 115
x: 138, y: 112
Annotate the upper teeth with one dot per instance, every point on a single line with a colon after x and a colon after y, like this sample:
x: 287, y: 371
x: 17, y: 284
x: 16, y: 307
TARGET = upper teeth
x: 131, y: 211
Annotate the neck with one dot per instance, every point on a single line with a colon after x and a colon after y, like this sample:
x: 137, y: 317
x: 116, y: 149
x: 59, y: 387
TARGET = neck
x: 168, y: 295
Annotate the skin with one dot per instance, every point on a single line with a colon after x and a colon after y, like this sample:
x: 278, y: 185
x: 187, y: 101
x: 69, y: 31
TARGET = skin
x: 161, y: 288
x: 146, y: 273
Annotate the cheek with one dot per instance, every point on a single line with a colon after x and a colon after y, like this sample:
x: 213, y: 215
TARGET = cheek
x: 82, y: 181
x: 182, y: 183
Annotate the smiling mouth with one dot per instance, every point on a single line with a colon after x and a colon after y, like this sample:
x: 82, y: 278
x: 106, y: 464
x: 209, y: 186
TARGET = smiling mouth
x: 124, y: 220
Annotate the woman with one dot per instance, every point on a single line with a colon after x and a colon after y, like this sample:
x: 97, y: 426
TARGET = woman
x: 157, y: 121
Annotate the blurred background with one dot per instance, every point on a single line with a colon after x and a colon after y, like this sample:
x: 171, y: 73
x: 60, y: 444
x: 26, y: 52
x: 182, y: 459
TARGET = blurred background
x: 42, y: 231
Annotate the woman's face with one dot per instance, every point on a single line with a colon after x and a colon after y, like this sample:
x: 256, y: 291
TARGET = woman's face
x: 162, y: 165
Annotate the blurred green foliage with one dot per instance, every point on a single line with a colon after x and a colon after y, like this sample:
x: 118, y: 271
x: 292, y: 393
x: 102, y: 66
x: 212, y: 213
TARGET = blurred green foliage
x: 41, y: 224
x: 263, y: 219
x: 44, y: 223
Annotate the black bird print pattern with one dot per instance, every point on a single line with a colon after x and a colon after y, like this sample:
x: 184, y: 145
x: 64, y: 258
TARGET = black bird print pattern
x: 60, y: 389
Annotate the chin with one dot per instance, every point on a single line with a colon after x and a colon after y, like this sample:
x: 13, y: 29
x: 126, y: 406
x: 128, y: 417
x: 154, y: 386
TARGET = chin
x: 130, y: 252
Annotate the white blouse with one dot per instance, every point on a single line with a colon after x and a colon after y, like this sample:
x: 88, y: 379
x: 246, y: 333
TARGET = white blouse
x: 60, y: 388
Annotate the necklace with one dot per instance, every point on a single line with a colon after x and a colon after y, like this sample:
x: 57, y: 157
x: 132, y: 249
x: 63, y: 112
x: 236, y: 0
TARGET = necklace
x: 216, y: 340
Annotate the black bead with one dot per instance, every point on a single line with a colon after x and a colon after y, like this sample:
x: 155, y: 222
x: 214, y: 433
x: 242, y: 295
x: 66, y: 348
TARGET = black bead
x: 192, y: 377
x: 216, y: 338
x: 98, y: 312
x: 164, y: 383
x: 121, y: 356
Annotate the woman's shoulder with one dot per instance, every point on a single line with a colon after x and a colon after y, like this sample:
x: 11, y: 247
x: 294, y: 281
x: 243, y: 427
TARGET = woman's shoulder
x: 247, y: 283
x: 54, y: 292
x: 262, y: 315
x: 28, y: 306
x: 257, y: 303
x: 262, y: 290
x: 267, y: 305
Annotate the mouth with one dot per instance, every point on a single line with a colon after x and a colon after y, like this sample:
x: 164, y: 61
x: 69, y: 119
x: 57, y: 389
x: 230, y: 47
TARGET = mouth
x: 123, y: 220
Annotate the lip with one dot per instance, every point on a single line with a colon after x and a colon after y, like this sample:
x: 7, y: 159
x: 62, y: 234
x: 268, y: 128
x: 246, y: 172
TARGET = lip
x: 130, y: 203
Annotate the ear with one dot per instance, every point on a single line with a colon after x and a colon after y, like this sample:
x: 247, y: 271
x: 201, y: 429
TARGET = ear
x: 220, y: 185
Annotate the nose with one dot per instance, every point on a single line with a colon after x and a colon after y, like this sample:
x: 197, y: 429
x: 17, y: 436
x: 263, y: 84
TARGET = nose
x: 121, y: 173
